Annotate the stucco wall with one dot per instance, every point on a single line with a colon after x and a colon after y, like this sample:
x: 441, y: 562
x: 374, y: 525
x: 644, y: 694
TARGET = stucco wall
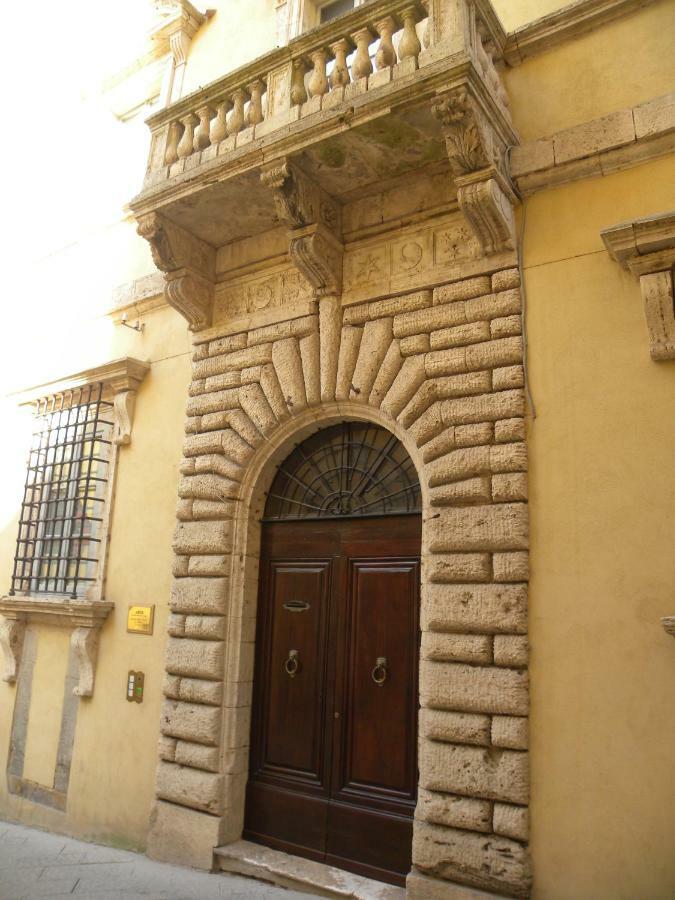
x: 602, y: 499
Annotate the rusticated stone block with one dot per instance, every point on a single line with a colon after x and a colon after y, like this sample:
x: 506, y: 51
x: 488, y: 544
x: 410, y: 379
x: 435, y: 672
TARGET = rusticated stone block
x: 196, y: 690
x: 510, y: 430
x: 392, y: 306
x: 477, y: 608
x: 208, y: 566
x: 501, y: 526
x: 507, y: 278
x: 416, y: 343
x: 191, y: 722
x: 440, y: 445
x: 462, y: 290
x: 458, y: 464
x: 221, y: 382
x: 511, y: 821
x: 511, y: 567
x: 216, y: 464
x: 484, y: 689
x: 205, y: 627
x: 176, y: 625
x: 194, y: 538
x: 493, y: 306
x: 495, y: 353
x: 508, y: 377
x: 428, y: 320
x: 505, y: 326
x: 484, y: 408
x: 227, y: 344
x: 509, y: 488
x: 198, y: 756
x: 493, y: 863
x: 201, y: 596
x: 375, y: 342
x: 453, y: 811
x: 455, y: 727
x: 429, y: 425
x: 408, y: 380
x: 459, y: 567
x: 474, y: 771
x: 215, y: 402
x: 166, y: 748
x: 460, y: 493
x: 511, y: 732
x: 511, y: 650
x: 171, y: 686
x: 207, y: 487
x: 389, y: 369
x: 460, y: 335
x: 226, y: 441
x: 179, y: 566
x: 474, y: 435
x: 508, y: 458
x: 190, y: 787
x: 470, y: 648
x: 195, y: 659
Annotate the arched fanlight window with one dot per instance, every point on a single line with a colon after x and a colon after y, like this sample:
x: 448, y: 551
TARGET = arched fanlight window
x: 349, y: 470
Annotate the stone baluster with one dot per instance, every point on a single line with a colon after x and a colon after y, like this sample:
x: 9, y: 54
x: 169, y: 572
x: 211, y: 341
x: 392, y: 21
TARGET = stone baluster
x: 340, y: 74
x: 186, y: 143
x: 361, y: 64
x: 409, y: 44
x: 386, y: 55
x: 219, y: 124
x: 255, y: 107
x: 237, y: 117
x: 318, y: 82
x: 298, y: 90
x: 202, y: 137
x: 426, y: 37
x: 172, y: 140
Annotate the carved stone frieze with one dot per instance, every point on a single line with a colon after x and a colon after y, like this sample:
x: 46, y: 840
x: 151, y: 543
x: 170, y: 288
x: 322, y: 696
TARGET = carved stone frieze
x: 189, y: 266
x: 646, y: 248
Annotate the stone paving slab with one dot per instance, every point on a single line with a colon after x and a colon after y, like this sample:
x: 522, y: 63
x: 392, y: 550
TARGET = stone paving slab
x: 37, y: 864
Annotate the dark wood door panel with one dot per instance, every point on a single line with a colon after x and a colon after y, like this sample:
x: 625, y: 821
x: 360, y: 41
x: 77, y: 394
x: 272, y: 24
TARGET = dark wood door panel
x: 292, y: 703
x: 286, y: 820
x: 379, y: 699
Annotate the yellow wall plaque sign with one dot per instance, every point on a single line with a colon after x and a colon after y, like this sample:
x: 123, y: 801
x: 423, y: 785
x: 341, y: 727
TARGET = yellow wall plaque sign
x: 141, y: 619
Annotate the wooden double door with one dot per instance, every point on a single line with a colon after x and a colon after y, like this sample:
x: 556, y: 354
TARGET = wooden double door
x: 333, y: 768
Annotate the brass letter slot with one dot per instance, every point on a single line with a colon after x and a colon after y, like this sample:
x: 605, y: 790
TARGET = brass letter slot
x: 296, y: 605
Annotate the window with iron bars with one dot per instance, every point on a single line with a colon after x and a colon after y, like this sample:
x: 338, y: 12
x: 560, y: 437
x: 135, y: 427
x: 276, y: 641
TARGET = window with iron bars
x: 58, y: 548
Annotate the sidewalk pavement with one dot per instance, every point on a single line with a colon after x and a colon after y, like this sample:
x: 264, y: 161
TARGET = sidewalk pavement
x: 39, y: 864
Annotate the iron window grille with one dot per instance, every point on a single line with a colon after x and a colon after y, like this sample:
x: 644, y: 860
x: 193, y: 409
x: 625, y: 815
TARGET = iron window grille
x: 350, y: 470
x: 60, y: 526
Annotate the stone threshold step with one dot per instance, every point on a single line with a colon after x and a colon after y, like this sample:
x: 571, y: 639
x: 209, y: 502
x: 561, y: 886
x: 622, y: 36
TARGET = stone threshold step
x: 303, y: 875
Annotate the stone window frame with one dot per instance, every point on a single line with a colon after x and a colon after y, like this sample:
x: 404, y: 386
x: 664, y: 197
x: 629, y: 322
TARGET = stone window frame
x: 121, y: 379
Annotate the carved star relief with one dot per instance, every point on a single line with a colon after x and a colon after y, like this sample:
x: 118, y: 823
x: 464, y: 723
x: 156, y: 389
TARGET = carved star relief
x: 368, y: 266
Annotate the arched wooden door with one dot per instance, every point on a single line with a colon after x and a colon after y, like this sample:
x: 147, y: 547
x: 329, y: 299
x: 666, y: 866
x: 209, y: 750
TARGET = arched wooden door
x: 333, y: 766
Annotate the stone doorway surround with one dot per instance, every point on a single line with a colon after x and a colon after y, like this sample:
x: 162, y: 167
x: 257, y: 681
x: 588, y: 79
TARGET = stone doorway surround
x: 441, y: 369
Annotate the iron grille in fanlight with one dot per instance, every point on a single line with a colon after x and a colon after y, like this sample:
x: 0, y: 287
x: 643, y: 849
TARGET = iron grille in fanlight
x: 349, y: 470
x: 58, y: 545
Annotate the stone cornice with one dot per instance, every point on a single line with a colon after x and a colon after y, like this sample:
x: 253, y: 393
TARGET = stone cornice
x: 646, y: 248
x: 56, y: 610
x: 564, y: 25
x: 120, y: 375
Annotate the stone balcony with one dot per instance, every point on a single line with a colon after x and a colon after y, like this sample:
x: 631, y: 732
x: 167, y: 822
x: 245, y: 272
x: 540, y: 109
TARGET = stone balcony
x: 390, y: 88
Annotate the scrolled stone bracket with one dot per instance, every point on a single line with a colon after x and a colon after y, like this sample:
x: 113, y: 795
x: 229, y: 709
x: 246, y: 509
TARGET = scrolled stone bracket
x: 668, y: 623
x: 189, y: 267
x: 476, y: 148
x: 315, y: 238
x: 646, y: 248
x: 83, y: 617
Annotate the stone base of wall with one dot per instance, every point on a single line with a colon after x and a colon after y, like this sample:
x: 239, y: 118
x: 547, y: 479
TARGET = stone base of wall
x: 182, y: 836
x: 419, y: 887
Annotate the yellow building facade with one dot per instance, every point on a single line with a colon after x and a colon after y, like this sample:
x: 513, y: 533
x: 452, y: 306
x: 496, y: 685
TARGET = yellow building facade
x: 453, y: 221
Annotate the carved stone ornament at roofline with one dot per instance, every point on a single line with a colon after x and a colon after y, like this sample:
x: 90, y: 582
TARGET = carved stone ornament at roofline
x: 646, y: 248
x: 477, y: 159
x: 188, y: 265
x: 315, y: 245
x: 84, y: 617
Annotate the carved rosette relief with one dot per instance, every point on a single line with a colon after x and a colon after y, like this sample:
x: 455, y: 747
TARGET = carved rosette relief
x: 315, y: 244
x: 189, y: 267
x: 476, y: 153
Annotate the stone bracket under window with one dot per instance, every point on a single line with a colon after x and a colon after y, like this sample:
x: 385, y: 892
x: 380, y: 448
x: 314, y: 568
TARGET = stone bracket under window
x: 85, y: 619
x: 646, y: 247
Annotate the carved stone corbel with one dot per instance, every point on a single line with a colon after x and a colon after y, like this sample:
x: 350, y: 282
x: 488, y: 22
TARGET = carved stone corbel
x: 12, y: 632
x: 84, y: 642
x: 476, y: 152
x: 646, y: 248
x: 315, y: 239
x: 189, y: 267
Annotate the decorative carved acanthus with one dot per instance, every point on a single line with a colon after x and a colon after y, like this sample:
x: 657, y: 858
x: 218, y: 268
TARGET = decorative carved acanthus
x: 315, y: 243
x: 188, y: 264
x: 476, y: 151
x: 646, y: 248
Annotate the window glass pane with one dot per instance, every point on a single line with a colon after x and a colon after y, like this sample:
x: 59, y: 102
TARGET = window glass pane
x: 335, y: 9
